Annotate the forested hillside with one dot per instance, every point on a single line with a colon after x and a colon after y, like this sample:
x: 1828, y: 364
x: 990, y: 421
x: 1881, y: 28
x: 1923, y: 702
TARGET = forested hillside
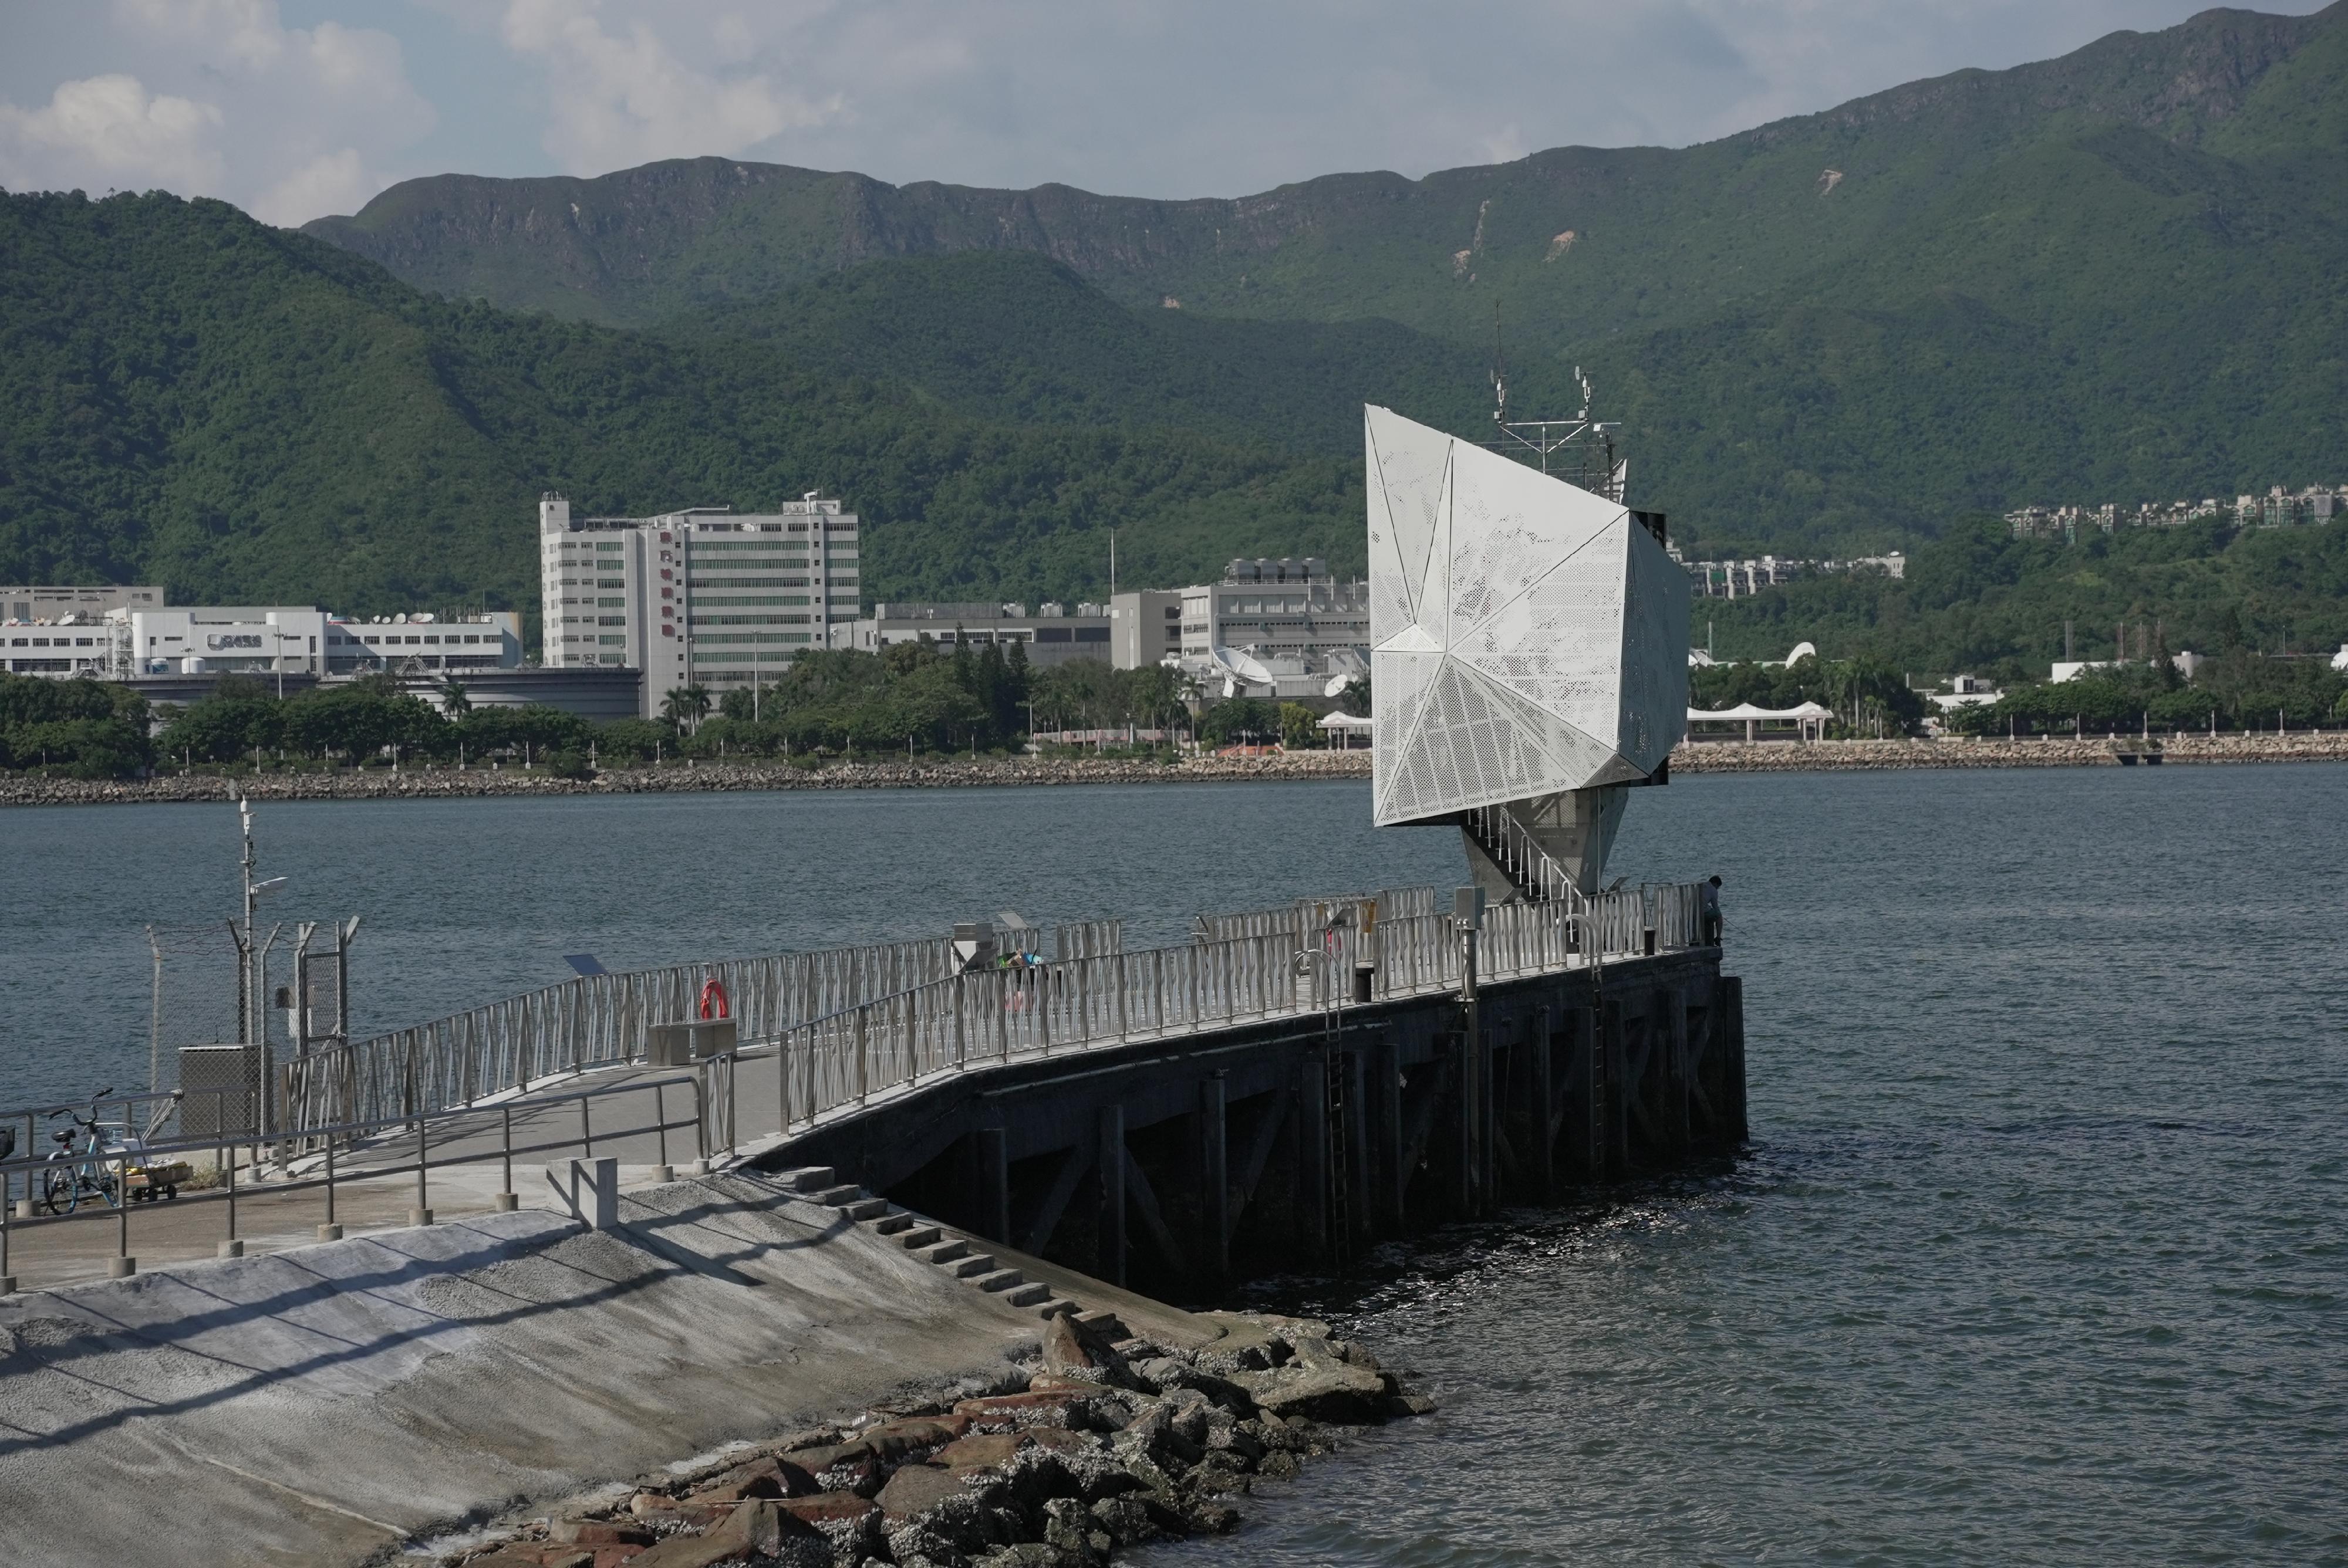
x: 2117, y: 275
x: 247, y: 415
x: 2122, y: 275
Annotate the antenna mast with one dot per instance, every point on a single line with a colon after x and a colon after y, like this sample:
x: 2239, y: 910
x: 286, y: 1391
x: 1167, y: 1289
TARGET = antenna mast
x: 1582, y: 451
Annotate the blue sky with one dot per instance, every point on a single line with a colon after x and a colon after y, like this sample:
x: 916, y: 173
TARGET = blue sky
x: 293, y: 108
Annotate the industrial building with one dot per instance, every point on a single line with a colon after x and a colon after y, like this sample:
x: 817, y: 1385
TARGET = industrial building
x: 1284, y: 628
x: 704, y: 596
x: 130, y: 634
x: 1054, y: 635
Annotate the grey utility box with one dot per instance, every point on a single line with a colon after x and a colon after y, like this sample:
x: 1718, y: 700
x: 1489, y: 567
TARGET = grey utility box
x: 683, y: 1043
x: 220, y: 1086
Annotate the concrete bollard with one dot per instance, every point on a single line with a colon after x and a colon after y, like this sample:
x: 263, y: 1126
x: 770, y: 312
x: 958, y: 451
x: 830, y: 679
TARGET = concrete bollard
x: 121, y: 1267
x: 231, y: 1248
x: 588, y: 1190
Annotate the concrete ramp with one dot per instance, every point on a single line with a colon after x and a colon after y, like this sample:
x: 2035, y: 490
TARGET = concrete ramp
x: 330, y: 1403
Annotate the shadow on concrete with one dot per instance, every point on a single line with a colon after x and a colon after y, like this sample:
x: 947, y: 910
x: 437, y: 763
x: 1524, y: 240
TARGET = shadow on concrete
x: 670, y: 1260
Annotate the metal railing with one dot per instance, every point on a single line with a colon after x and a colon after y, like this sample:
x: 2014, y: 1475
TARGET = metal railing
x: 593, y: 1021
x: 409, y: 1150
x: 1521, y: 858
x: 1296, y: 962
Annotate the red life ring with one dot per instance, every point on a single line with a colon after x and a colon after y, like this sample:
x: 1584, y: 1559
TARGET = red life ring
x: 713, y: 999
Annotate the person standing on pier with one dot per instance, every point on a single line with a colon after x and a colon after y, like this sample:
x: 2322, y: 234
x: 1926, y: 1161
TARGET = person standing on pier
x: 1711, y: 894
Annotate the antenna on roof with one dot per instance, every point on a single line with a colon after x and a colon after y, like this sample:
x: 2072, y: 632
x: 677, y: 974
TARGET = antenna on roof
x: 1499, y: 372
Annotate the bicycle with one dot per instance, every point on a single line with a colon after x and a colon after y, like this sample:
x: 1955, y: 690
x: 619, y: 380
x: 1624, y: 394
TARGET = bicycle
x: 72, y: 1173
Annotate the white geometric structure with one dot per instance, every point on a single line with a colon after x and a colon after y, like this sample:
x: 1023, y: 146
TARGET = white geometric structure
x: 1528, y: 648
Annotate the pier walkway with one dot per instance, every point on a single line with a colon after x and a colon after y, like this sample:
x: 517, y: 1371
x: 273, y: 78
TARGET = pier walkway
x: 834, y: 1051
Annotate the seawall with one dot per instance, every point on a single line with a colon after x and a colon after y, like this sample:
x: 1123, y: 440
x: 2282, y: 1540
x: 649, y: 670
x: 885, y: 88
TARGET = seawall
x: 334, y: 1403
x: 1711, y: 757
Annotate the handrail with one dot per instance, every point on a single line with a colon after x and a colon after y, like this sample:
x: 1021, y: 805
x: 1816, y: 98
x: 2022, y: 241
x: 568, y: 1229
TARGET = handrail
x: 421, y: 1164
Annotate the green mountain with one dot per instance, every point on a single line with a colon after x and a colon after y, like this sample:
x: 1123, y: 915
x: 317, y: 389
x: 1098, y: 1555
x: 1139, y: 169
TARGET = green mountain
x: 2115, y: 275
x: 247, y: 415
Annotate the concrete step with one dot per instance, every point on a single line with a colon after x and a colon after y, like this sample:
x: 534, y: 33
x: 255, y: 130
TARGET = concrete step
x: 921, y: 1236
x: 1035, y: 1293
x: 1062, y: 1306
x: 942, y: 1251
x: 1001, y: 1279
x: 967, y: 1267
x: 836, y: 1196
x: 863, y: 1208
x: 807, y: 1178
x: 894, y: 1222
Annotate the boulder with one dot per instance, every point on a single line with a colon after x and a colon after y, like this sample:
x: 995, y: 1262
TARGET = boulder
x: 759, y: 1526
x: 914, y: 1434
x: 1126, y: 1521
x: 1347, y: 1396
x: 1069, y: 1529
x: 1065, y: 1349
x: 533, y: 1554
x: 600, y: 1532
x: 916, y: 1489
x: 760, y: 1477
x: 983, y: 1450
x: 828, y: 1507
x: 1153, y: 1432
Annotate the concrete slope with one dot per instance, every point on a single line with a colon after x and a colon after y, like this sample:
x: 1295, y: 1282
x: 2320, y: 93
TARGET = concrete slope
x: 329, y: 1403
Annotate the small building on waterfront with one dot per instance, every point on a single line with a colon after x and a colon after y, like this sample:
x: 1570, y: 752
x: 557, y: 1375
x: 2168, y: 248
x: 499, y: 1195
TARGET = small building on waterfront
x: 1055, y: 634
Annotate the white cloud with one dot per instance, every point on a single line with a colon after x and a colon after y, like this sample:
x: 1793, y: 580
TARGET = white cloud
x: 222, y: 99
x: 627, y: 97
x: 109, y: 131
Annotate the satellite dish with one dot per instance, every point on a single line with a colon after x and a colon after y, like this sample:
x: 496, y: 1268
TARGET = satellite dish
x: 1336, y: 686
x: 1244, y: 666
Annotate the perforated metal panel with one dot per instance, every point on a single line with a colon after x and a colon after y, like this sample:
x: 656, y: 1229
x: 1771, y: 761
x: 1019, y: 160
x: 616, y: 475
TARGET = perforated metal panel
x: 1527, y: 636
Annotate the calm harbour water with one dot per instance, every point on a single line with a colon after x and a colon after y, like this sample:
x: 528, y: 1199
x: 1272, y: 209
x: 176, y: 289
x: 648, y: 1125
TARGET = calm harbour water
x: 2039, y: 1255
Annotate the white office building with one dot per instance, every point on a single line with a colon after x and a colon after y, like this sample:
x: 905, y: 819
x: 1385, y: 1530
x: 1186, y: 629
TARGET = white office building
x: 1281, y: 628
x: 445, y: 645
x: 1054, y: 634
x: 704, y: 596
x: 216, y: 640
x: 60, y: 631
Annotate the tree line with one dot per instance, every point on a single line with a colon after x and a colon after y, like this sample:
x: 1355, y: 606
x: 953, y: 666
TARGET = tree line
x: 2237, y: 690
x: 913, y: 697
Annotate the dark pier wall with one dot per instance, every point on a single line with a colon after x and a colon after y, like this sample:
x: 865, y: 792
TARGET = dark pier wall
x: 1176, y: 1166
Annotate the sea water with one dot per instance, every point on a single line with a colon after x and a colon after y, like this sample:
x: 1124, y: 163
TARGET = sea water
x: 2038, y: 1256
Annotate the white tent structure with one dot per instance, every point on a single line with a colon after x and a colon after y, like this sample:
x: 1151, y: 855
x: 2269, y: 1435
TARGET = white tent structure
x: 1811, y: 716
x: 1529, y: 649
x: 1345, y: 726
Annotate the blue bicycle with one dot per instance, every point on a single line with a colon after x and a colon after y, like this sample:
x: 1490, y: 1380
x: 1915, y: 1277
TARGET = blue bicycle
x: 79, y: 1166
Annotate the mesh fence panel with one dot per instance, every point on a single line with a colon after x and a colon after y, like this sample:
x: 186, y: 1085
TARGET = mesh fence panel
x: 192, y: 997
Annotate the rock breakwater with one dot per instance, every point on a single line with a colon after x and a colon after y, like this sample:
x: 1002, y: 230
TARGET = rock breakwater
x: 698, y: 777
x: 1715, y: 757
x: 1828, y: 756
x: 1111, y: 1439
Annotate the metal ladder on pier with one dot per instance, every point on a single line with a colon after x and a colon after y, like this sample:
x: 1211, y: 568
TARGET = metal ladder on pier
x: 1340, y: 1163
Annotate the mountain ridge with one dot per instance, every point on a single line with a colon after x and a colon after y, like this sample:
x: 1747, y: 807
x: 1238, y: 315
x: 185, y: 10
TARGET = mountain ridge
x: 709, y: 230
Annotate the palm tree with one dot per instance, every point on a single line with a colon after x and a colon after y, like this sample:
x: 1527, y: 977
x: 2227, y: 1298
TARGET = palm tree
x: 454, y: 701
x: 684, y: 707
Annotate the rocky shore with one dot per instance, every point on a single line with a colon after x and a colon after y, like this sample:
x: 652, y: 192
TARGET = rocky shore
x: 698, y: 777
x: 694, y: 778
x: 1111, y: 1439
x: 1828, y: 756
